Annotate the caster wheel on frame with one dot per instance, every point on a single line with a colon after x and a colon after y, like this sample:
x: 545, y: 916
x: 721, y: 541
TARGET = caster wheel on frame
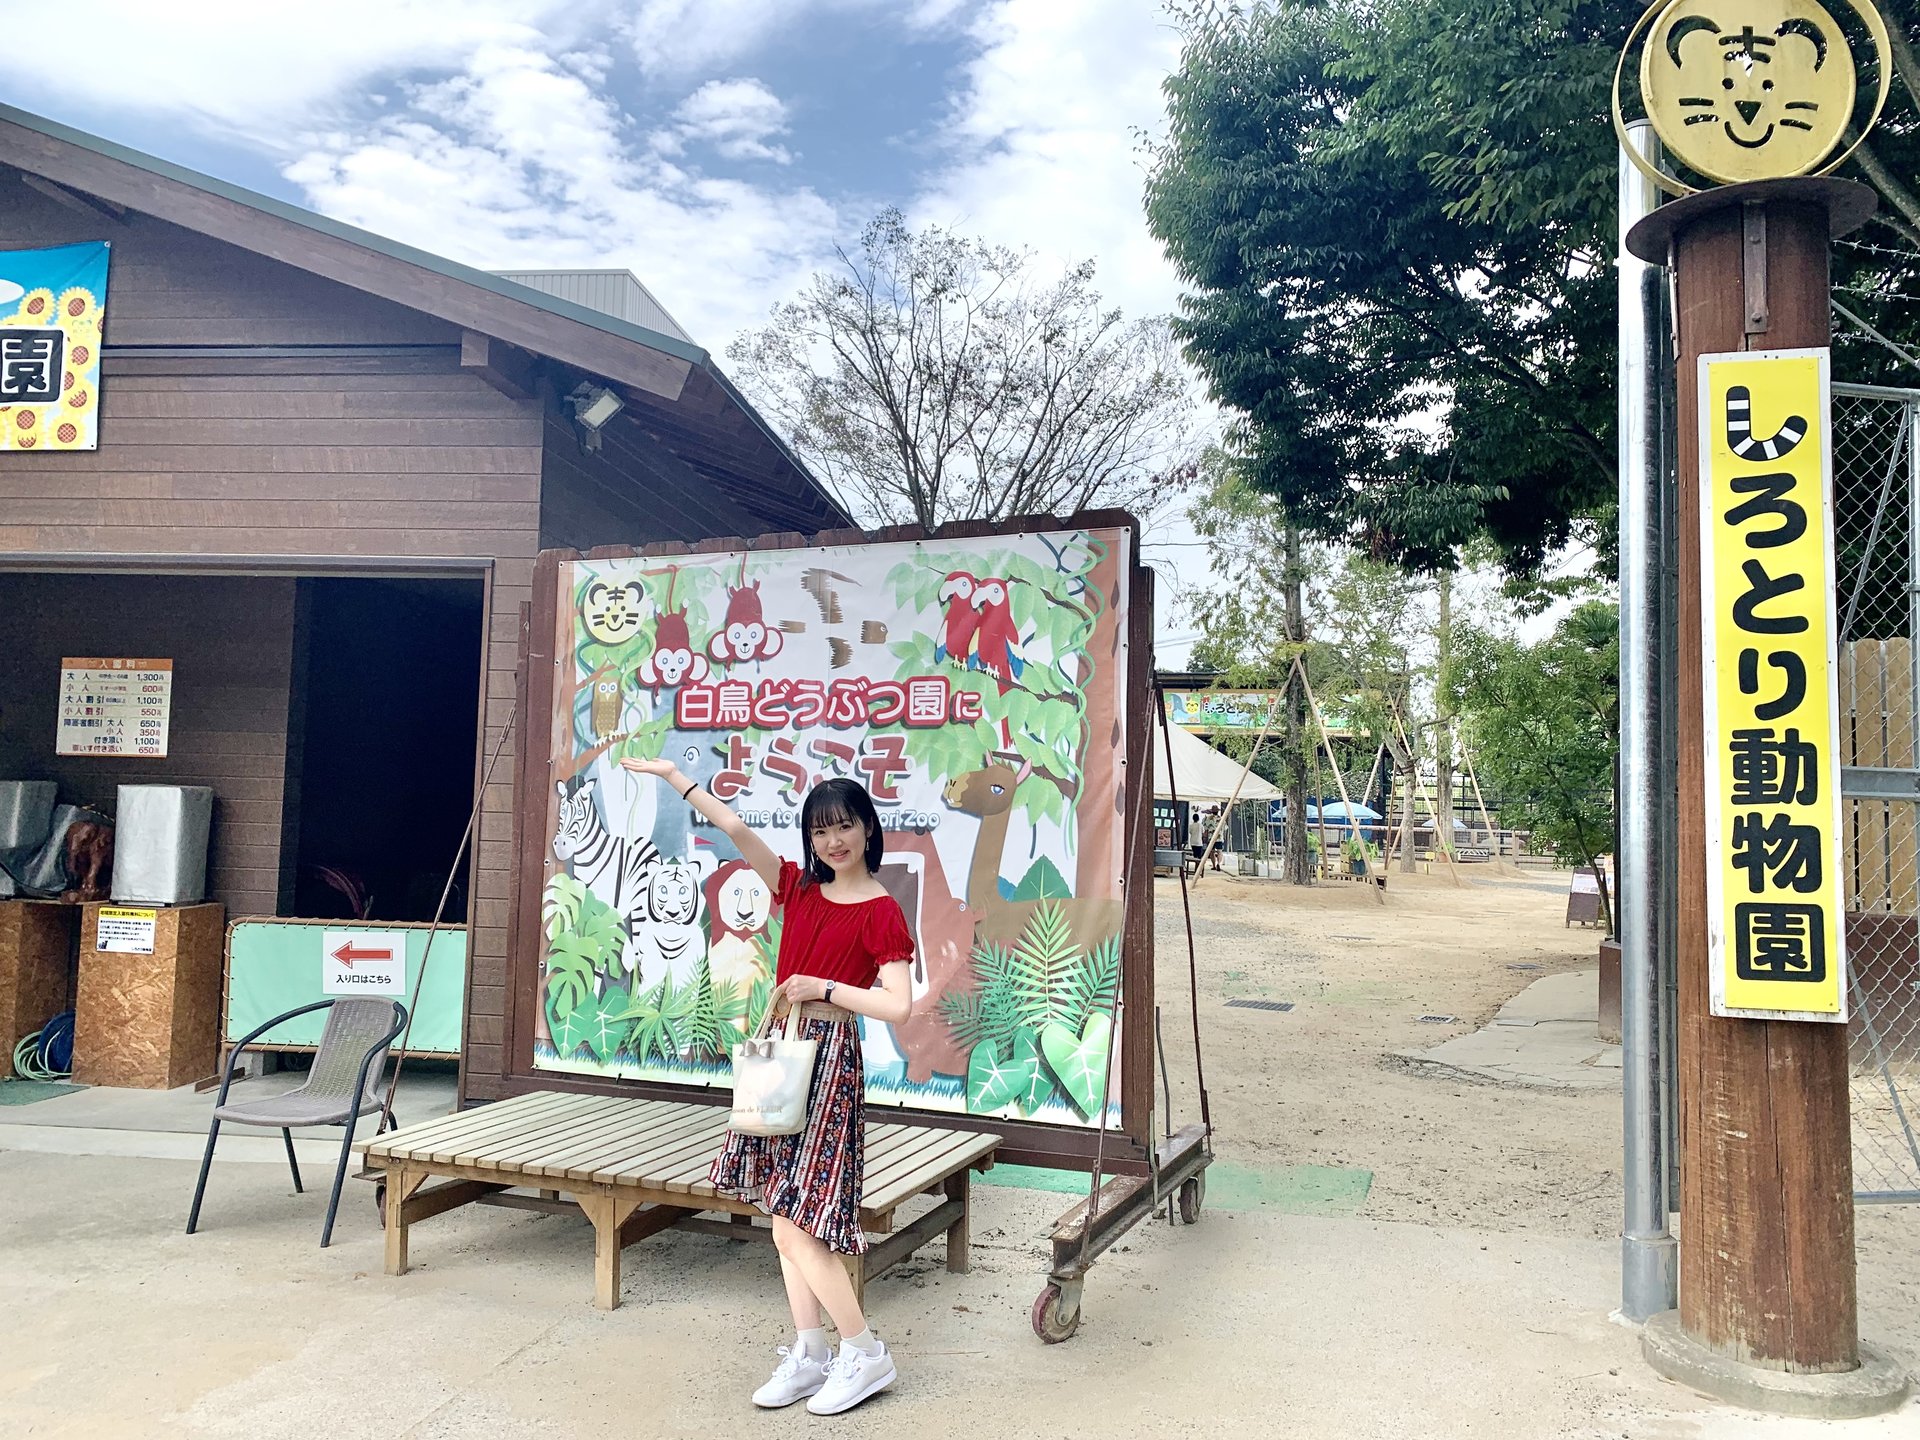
x: 1051, y: 1322
x: 1193, y: 1194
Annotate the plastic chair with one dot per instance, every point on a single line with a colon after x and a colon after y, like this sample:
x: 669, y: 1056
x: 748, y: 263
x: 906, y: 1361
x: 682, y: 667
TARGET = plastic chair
x: 340, y: 1089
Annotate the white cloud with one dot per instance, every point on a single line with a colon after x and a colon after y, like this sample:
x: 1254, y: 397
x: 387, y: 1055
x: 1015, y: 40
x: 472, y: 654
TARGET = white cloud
x: 520, y: 161
x: 736, y: 117
x: 250, y: 70
x: 1041, y: 147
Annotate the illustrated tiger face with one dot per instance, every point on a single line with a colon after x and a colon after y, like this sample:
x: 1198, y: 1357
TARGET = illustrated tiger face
x: 577, y: 823
x: 613, y: 612
x: 1747, y: 89
x: 673, y: 896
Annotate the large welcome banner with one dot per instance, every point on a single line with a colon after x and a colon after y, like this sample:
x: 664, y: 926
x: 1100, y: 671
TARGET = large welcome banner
x: 975, y: 687
x: 53, y: 307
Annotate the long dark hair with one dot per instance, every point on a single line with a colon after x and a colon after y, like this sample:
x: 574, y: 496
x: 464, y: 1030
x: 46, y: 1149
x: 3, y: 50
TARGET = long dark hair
x: 830, y: 803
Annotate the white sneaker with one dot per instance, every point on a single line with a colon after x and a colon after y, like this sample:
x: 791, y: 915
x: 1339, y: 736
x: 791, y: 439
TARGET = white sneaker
x: 851, y: 1378
x: 794, y: 1378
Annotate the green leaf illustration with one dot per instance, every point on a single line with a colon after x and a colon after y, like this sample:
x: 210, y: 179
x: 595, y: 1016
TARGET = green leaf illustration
x: 1037, y: 1085
x: 994, y: 1084
x: 1079, y: 1062
x: 1043, y: 881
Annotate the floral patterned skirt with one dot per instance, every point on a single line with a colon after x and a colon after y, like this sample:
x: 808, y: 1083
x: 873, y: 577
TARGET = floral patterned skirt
x: 813, y: 1178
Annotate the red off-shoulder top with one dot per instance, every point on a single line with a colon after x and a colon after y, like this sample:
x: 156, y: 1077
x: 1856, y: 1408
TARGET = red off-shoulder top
x: 847, y: 943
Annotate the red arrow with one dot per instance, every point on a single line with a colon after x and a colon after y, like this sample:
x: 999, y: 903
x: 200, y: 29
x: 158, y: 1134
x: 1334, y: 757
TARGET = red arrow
x: 346, y: 954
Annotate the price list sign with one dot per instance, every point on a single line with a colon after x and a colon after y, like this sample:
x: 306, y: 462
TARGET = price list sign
x: 115, y: 707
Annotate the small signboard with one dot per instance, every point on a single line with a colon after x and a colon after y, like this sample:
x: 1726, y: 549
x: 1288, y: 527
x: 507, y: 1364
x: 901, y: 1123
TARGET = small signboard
x: 114, y: 707
x: 121, y: 931
x: 363, y: 962
x: 1775, y: 944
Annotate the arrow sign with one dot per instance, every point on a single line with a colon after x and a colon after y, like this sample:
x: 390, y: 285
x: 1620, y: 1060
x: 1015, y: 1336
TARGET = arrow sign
x: 363, y: 962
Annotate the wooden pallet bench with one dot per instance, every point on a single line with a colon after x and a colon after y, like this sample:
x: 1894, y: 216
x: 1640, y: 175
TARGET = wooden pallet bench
x: 637, y: 1167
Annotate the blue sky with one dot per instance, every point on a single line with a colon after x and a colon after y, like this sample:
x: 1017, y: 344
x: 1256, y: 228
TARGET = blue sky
x: 717, y: 148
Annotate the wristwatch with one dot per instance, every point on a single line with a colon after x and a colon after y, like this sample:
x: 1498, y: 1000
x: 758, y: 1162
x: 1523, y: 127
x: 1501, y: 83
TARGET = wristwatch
x: 827, y: 998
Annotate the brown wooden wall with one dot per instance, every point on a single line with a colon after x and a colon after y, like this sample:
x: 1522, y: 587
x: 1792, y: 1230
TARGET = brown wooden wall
x: 360, y: 437
x: 231, y: 642
x: 253, y: 412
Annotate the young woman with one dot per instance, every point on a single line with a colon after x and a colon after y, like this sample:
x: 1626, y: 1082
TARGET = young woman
x: 844, y: 952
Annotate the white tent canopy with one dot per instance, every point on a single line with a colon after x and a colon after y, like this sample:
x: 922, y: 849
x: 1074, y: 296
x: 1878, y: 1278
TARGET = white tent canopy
x: 1201, y: 772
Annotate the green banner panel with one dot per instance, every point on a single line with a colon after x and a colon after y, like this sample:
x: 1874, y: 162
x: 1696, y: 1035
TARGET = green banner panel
x: 274, y: 966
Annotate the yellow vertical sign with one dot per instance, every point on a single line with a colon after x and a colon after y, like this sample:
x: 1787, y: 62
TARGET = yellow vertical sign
x: 1776, y: 942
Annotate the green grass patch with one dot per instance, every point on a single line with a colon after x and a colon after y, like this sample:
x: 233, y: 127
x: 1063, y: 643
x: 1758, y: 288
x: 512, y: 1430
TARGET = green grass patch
x: 1287, y: 1189
x: 25, y: 1092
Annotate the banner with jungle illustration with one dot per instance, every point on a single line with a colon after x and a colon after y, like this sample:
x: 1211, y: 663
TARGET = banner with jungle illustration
x: 975, y: 687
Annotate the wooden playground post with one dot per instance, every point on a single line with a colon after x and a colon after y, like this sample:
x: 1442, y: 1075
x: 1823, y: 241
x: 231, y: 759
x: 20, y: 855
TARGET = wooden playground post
x: 1339, y: 780
x: 1227, y: 812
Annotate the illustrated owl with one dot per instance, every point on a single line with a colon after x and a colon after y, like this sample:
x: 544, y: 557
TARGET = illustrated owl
x: 604, y: 713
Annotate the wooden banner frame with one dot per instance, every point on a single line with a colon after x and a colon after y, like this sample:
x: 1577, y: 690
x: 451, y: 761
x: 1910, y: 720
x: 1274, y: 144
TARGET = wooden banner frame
x: 1129, y: 1146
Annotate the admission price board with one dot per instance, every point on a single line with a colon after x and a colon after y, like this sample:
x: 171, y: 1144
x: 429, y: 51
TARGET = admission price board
x: 1776, y: 946
x: 114, y: 707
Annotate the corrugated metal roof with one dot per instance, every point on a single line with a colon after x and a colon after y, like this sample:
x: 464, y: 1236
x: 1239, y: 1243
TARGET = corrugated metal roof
x: 618, y: 293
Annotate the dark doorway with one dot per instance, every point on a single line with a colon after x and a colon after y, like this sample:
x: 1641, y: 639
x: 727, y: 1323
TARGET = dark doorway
x: 382, y: 737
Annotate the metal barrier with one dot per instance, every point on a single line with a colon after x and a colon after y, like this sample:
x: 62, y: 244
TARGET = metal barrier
x: 1877, y: 566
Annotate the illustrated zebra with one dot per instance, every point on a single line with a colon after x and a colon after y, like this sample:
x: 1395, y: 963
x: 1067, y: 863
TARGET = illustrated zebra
x: 619, y: 871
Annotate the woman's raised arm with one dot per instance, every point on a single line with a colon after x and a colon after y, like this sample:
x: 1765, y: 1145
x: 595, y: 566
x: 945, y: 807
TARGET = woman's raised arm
x: 755, y: 851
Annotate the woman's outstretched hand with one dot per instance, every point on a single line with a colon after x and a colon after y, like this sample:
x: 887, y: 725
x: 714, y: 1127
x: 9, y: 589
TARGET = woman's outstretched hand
x: 662, y: 767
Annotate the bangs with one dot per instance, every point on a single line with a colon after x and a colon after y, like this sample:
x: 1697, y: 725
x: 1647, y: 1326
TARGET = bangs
x: 822, y: 810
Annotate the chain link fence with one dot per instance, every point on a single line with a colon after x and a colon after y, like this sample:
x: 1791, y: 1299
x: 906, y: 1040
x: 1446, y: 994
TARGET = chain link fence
x: 1876, y: 493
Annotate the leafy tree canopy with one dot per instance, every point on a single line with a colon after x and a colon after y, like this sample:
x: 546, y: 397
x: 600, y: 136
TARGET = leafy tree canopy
x: 1541, y: 721
x: 1397, y: 220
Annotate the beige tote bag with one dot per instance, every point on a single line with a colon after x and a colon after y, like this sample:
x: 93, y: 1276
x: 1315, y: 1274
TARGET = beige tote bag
x: 771, y: 1080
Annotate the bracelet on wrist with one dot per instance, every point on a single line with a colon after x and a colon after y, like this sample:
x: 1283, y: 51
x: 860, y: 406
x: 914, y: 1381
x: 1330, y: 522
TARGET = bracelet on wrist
x: 692, y: 785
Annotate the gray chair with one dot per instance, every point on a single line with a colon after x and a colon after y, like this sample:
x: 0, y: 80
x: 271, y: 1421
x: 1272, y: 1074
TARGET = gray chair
x: 343, y: 1086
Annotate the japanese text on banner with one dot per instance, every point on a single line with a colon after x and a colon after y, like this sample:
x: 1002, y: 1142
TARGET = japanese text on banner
x: 1776, y: 943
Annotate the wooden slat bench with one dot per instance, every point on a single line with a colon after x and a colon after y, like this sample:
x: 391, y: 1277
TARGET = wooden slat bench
x: 637, y: 1167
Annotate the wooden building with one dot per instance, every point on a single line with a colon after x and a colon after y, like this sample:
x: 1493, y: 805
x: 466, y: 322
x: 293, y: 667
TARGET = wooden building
x: 326, y: 463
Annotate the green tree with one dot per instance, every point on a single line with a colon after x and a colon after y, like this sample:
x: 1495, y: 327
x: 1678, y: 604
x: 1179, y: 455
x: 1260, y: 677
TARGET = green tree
x: 1397, y: 222
x: 1543, y: 724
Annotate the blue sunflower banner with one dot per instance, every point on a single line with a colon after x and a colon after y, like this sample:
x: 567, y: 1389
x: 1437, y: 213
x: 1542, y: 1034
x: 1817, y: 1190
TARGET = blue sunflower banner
x: 53, y: 304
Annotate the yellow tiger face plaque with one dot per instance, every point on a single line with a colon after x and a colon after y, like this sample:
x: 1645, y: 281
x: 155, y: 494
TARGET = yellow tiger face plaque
x: 1751, y: 89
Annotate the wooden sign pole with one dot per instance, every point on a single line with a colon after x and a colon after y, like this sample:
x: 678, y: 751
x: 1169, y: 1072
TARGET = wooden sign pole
x: 1767, y: 1298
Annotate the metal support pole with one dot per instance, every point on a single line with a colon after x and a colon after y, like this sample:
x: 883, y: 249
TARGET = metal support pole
x: 1648, y: 1268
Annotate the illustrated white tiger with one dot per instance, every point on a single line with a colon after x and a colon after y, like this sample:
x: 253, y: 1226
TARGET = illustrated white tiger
x: 618, y: 871
x: 671, y: 940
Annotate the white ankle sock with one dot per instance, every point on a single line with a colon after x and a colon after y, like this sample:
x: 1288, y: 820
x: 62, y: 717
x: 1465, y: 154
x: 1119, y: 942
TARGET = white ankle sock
x: 812, y: 1344
x: 864, y: 1342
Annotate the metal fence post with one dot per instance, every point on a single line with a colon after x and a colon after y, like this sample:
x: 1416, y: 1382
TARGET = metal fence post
x: 1647, y: 1252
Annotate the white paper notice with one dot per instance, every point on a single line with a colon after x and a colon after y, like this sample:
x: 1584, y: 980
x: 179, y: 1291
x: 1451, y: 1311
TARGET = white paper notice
x: 120, y: 931
x: 364, y: 962
x: 114, y: 707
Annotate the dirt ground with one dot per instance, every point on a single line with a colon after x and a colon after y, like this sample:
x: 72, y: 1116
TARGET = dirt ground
x: 1468, y: 1297
x: 1314, y: 1085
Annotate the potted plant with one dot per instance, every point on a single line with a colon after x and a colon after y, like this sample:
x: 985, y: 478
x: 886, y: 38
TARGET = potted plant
x: 1356, y: 851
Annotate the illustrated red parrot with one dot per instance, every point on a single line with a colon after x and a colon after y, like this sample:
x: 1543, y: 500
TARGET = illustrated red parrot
x: 999, y: 637
x: 956, y: 645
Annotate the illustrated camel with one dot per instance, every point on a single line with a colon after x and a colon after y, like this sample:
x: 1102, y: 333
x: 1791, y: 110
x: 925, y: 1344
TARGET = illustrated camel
x: 988, y: 794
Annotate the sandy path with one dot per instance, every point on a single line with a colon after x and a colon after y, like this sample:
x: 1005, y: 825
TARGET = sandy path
x: 1310, y: 1086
